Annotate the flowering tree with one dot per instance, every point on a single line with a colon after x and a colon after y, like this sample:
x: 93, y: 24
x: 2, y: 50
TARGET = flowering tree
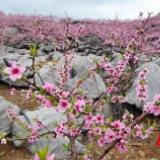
x: 107, y: 132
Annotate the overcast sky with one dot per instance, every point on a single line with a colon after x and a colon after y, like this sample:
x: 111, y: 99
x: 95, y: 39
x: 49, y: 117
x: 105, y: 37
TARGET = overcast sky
x: 81, y: 9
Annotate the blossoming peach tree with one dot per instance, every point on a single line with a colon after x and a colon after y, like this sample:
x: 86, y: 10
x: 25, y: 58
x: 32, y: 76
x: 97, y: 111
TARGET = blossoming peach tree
x: 107, y: 132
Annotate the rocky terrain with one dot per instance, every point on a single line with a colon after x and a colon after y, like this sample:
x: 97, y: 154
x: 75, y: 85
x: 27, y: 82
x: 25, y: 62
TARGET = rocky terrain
x: 48, y: 60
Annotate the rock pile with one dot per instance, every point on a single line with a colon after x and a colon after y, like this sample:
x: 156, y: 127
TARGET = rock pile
x: 89, y: 48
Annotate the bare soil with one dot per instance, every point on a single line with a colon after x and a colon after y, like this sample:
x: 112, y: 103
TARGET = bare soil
x: 138, y: 149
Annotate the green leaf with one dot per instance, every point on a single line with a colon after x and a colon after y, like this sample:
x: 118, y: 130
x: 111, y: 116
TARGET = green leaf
x: 110, y: 119
x: 66, y: 147
x: 139, y: 31
x: 88, y: 108
x: 121, y: 56
x: 109, y: 32
x: 72, y: 101
x: 36, y: 68
x: 95, y: 60
x: 2, y: 70
x: 46, y: 136
x: 36, y: 23
x: 33, y: 50
x: 80, y: 92
x: 149, y: 122
x: 154, y: 124
x: 18, y: 135
x: 42, y: 153
x: 98, y: 152
x: 35, y: 119
x: 9, y: 139
x: 2, y: 153
x: 107, y: 99
x: 90, y: 145
x: 55, y: 124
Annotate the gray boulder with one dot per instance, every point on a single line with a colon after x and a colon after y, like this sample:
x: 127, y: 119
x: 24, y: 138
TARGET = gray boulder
x: 48, y: 75
x: 40, y: 53
x: 153, y: 84
x: 57, y: 56
x: 5, y: 123
x: 92, y: 87
x: 48, y: 117
x: 94, y: 40
x: 115, y: 58
x: 49, y: 48
x: 25, y: 45
x: 40, y: 59
x: 157, y: 61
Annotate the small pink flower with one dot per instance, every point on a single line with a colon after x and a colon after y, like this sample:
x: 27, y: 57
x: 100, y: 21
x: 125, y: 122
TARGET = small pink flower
x: 101, y: 142
x: 32, y: 139
x: 122, y: 146
x: 38, y: 124
x: 89, y: 119
x: 15, y: 71
x: 99, y: 119
x: 64, y: 105
x: 118, y: 125
x: 12, y: 91
x: 73, y: 132
x: 49, y: 87
x: 78, y: 105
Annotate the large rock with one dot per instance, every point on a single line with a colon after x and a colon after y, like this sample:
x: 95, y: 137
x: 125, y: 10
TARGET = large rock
x: 48, y: 75
x: 25, y: 44
x: 49, y: 48
x: 94, y: 40
x: 153, y: 84
x: 48, y: 117
x: 5, y: 123
x: 92, y: 87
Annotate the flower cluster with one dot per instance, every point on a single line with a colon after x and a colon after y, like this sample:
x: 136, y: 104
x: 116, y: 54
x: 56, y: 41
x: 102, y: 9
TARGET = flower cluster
x: 141, y: 86
x: 154, y: 106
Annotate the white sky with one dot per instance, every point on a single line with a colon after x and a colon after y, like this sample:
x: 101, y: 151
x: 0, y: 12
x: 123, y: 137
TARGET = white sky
x: 81, y: 9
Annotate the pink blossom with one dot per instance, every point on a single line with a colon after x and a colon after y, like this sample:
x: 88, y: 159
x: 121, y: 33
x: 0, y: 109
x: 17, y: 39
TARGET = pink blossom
x: 144, y: 136
x: 47, y: 103
x: 15, y: 71
x: 32, y: 139
x: 38, y: 124
x: 64, y: 105
x: 99, y: 119
x: 109, y: 136
x: 122, y: 146
x: 89, y: 118
x: 73, y: 132
x: 28, y: 94
x: 101, y: 142
x: 118, y: 125
x: 12, y: 91
x: 88, y: 157
x: 48, y: 86
x: 78, y: 105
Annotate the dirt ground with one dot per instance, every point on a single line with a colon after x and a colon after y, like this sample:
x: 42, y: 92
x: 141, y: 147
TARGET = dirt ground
x: 138, y: 149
